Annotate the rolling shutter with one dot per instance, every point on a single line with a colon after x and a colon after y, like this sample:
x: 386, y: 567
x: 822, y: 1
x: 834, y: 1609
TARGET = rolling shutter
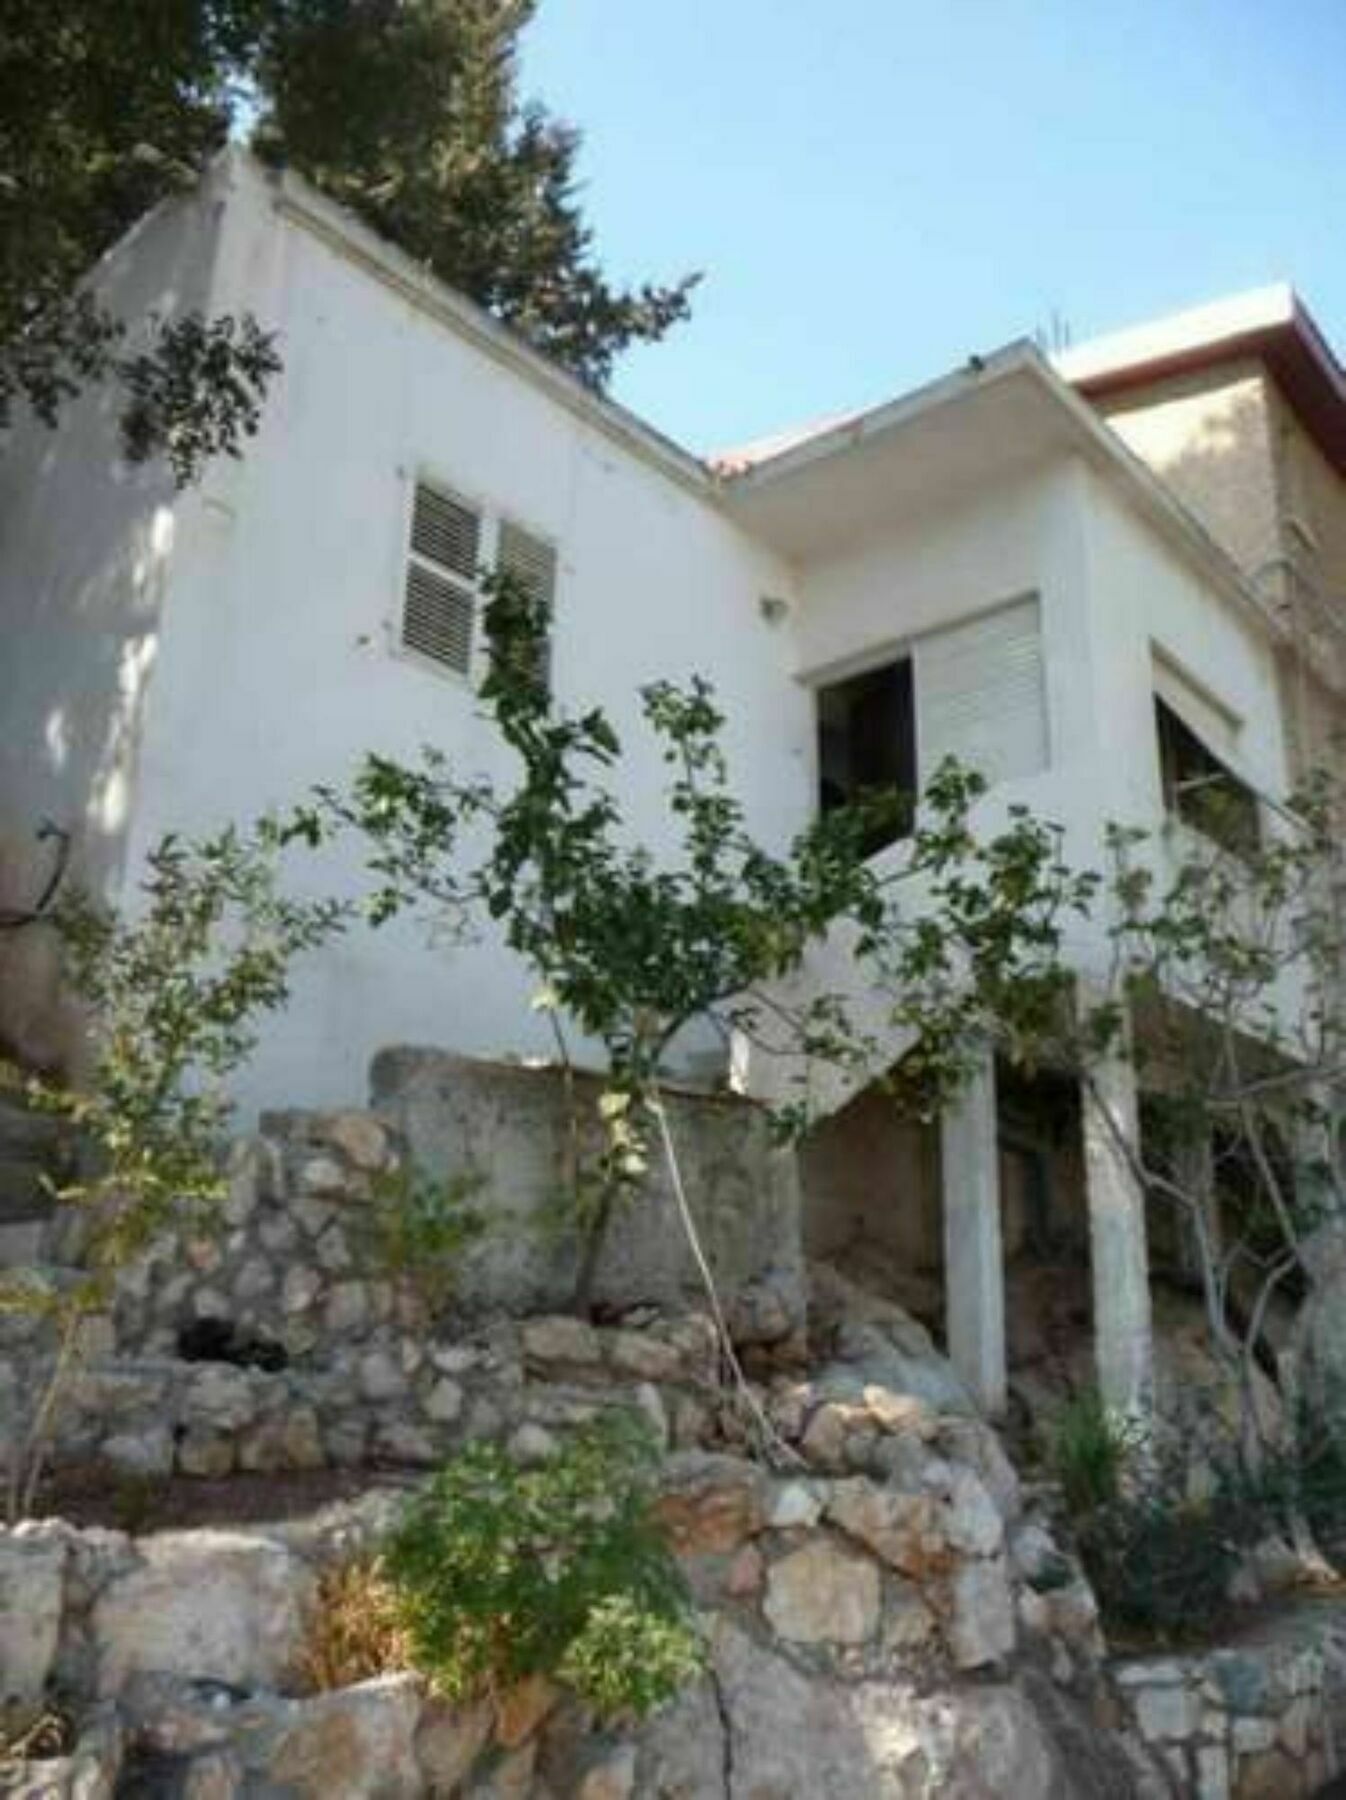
x: 1200, y: 711
x: 439, y: 604
x: 980, y: 694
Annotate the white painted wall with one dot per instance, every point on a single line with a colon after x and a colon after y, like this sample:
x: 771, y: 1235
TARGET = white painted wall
x: 1111, y: 591
x: 85, y: 541
x: 272, y: 636
x: 279, y: 664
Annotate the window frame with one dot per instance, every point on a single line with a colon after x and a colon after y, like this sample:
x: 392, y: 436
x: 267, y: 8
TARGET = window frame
x: 490, y: 517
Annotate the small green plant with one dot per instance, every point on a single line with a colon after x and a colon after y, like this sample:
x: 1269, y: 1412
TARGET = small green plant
x: 1091, y: 1447
x: 628, y: 1659
x: 420, y: 1228
x: 506, y: 1572
x: 1161, y: 1562
x: 175, y: 990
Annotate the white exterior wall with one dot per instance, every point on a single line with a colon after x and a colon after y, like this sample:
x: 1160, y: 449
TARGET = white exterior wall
x: 266, y: 659
x: 84, y: 546
x: 1025, y: 536
x: 279, y: 665
x: 1111, y: 592
x: 1143, y: 599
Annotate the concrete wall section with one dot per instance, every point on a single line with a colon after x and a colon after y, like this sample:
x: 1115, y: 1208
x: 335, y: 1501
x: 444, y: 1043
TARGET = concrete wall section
x: 510, y: 1130
x: 85, y: 547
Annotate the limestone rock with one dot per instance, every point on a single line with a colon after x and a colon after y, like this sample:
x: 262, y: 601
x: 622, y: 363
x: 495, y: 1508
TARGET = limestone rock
x: 793, y: 1504
x: 218, y: 1604
x: 145, y: 1452
x: 359, y: 1742
x: 904, y: 1529
x: 444, y: 1402
x: 32, y: 1574
x: 221, y: 1396
x: 381, y: 1376
x: 874, y: 1740
x: 982, y: 1629
x: 614, y: 1778
x: 822, y: 1594
x: 561, y: 1340
x: 361, y: 1138
x: 710, y: 1502
x: 449, y: 1740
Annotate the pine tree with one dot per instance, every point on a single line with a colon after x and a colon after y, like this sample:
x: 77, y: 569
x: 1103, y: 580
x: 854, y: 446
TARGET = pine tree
x: 108, y: 108
x: 408, y: 111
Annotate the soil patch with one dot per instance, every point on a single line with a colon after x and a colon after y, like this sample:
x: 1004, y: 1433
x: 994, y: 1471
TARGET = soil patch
x: 182, y: 1502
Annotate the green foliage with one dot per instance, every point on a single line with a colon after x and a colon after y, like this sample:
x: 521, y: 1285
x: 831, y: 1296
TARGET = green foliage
x: 406, y: 110
x: 419, y: 1230
x: 506, y: 1572
x: 1090, y: 1449
x: 1161, y: 1562
x: 109, y: 109
x: 173, y: 992
x: 979, y: 961
x: 628, y: 1659
x: 409, y: 113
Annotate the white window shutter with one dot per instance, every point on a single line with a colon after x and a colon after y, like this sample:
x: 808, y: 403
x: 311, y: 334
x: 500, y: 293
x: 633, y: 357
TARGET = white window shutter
x: 980, y: 695
x: 439, y: 604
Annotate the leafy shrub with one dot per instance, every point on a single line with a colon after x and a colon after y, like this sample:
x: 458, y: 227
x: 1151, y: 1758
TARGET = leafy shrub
x: 357, y: 1628
x: 505, y: 1572
x: 628, y: 1658
x: 1161, y: 1563
x: 1091, y: 1446
x: 419, y: 1229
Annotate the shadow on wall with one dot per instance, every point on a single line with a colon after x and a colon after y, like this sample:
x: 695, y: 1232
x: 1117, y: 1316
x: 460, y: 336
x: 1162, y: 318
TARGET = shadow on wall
x: 85, y: 545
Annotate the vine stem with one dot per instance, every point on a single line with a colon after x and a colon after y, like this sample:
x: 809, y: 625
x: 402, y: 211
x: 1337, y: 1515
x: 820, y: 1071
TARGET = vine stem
x: 772, y: 1441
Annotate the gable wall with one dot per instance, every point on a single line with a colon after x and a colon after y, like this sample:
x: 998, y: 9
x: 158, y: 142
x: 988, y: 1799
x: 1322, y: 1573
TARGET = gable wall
x: 280, y: 662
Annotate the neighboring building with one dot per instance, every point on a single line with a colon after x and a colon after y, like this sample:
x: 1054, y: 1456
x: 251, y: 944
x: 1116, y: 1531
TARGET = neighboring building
x: 1241, y: 408
x: 981, y: 567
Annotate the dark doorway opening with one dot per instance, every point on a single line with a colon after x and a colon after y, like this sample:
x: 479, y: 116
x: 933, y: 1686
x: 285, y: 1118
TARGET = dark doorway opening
x: 867, y: 745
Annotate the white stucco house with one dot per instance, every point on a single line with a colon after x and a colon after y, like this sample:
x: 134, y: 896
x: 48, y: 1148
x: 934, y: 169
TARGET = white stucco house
x: 1037, y: 569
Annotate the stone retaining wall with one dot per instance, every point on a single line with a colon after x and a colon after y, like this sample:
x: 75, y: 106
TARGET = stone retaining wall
x: 859, y: 1640
x: 292, y: 1253
x: 1257, y: 1721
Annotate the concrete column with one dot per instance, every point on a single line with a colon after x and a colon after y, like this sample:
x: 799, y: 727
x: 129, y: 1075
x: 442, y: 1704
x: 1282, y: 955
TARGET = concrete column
x: 974, y: 1269
x: 1123, y: 1346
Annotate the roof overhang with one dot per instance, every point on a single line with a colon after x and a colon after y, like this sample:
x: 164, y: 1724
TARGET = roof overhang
x: 1271, y: 325
x: 1000, y: 416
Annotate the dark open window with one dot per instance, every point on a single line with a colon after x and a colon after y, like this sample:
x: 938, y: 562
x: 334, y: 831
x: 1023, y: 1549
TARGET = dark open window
x: 867, y: 744
x: 1201, y: 790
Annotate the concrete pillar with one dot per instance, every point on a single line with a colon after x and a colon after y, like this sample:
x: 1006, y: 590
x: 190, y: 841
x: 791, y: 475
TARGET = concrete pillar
x: 1123, y: 1345
x: 974, y: 1268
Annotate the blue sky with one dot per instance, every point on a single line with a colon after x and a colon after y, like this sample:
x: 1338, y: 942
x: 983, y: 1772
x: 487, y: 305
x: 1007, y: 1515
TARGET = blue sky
x: 876, y: 188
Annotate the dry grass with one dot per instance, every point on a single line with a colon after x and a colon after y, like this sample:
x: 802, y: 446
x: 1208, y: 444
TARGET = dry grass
x: 32, y: 1732
x: 356, y: 1631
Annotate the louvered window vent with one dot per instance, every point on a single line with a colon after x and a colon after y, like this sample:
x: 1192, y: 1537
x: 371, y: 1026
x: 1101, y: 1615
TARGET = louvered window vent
x: 440, y: 602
